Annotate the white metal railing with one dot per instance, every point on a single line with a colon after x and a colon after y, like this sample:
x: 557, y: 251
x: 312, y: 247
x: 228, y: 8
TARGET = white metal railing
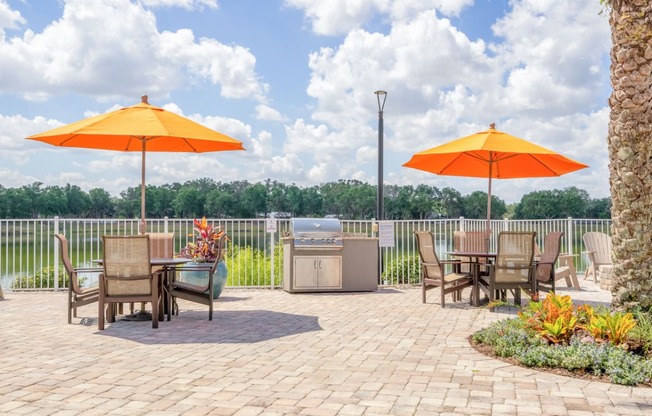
x: 28, y: 248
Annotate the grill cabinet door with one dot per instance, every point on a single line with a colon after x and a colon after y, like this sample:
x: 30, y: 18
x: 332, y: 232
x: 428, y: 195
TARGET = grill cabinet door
x: 317, y: 272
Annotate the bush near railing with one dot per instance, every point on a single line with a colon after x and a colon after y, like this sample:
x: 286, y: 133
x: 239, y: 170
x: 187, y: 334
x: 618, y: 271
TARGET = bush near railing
x: 43, y: 279
x: 240, y: 260
x: 406, y: 268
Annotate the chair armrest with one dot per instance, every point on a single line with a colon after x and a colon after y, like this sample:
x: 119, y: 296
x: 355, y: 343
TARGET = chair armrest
x: 451, y: 261
x: 88, y: 269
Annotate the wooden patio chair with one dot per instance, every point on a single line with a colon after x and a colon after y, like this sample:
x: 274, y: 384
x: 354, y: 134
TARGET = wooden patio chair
x: 433, y: 273
x: 598, y: 248
x: 198, y: 290
x: 127, y: 276
x: 77, y: 294
x: 513, y: 269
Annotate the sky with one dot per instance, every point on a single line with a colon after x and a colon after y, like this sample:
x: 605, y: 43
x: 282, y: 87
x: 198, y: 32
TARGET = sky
x: 294, y: 81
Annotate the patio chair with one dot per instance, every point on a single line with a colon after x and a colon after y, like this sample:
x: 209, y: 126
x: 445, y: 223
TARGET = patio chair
x: 470, y: 241
x: 598, y: 248
x: 127, y: 276
x: 161, y: 245
x: 433, y: 273
x: 546, y: 272
x: 200, y: 289
x: 513, y: 269
x: 77, y: 295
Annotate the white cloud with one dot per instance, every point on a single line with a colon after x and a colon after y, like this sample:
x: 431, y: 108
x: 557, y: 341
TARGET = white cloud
x: 265, y: 112
x: 333, y: 17
x: 186, y: 4
x: 9, y: 19
x: 113, y: 48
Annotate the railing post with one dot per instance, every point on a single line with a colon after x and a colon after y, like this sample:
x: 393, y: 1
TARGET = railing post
x: 462, y: 224
x: 165, y: 224
x: 569, y: 235
x: 56, y: 255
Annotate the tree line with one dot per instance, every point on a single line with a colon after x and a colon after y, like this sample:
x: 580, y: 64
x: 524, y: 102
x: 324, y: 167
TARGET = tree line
x: 347, y: 199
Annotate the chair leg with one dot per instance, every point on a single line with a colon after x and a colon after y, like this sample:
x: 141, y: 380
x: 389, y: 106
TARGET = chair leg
x: 423, y: 290
x: 100, y: 316
x: 154, y: 310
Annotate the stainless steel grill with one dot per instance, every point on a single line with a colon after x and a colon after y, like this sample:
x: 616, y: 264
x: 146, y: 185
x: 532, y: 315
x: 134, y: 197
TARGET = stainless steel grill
x: 316, y: 233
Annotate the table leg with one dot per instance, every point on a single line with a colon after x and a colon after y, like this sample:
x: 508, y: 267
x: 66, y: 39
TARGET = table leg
x: 475, y: 290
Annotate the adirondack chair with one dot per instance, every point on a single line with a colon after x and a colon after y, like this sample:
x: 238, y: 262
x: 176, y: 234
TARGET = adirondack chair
x: 598, y: 248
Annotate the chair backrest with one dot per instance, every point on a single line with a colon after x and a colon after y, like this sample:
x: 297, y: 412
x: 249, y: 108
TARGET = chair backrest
x: 600, y: 245
x: 551, y: 248
x: 127, y: 266
x: 67, y: 264
x: 161, y: 245
x: 475, y: 241
x: 515, y: 256
x: 429, y: 261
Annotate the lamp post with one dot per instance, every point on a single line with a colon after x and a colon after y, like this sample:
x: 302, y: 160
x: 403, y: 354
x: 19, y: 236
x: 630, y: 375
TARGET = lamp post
x: 381, y: 106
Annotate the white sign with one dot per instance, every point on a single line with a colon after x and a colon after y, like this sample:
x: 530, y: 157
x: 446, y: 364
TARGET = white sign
x: 385, y: 233
x: 270, y: 225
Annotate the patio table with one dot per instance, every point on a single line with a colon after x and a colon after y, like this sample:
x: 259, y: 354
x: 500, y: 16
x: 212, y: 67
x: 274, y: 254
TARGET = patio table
x: 168, y: 266
x: 475, y: 257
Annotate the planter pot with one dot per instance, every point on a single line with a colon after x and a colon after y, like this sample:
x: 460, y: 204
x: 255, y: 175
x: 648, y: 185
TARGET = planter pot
x: 200, y: 278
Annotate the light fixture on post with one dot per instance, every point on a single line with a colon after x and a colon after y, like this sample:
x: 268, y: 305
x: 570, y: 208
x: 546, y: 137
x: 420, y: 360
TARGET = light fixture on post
x: 379, y: 201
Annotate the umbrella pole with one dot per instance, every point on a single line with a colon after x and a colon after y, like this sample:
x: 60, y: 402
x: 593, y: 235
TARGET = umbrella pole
x: 488, y: 229
x: 143, y: 226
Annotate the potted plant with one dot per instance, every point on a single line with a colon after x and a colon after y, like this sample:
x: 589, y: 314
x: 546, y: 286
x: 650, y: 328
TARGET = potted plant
x: 204, y: 251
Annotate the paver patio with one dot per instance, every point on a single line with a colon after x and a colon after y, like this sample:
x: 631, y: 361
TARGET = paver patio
x: 272, y: 353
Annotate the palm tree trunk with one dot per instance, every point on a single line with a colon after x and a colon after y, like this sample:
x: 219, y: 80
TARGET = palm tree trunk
x: 630, y: 151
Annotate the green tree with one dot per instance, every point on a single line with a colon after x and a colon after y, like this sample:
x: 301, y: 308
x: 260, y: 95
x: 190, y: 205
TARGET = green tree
x: 189, y: 203
x: 475, y: 206
x: 101, y: 203
x: 78, y: 201
x: 452, y: 204
x: 53, y: 201
x: 537, y: 204
x: 425, y: 201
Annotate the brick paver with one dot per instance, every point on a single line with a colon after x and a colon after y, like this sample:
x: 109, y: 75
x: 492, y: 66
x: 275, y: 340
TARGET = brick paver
x: 275, y: 353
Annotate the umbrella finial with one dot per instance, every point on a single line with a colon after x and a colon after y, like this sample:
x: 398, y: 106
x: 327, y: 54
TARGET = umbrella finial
x: 491, y: 126
x: 143, y: 99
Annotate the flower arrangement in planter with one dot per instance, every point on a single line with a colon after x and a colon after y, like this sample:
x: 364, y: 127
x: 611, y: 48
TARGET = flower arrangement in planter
x: 204, y: 251
x: 205, y: 247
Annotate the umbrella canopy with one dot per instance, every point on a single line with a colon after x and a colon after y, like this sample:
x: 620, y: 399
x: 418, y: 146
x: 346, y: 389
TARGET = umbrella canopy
x: 492, y: 154
x: 139, y: 128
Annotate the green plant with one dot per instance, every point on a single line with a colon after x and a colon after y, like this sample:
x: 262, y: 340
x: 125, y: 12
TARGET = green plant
x: 248, y: 266
x: 405, y: 268
x: 612, y: 327
x: 43, y: 278
x: 512, y: 338
x: 553, y: 318
x: 205, y: 247
x: 640, y: 337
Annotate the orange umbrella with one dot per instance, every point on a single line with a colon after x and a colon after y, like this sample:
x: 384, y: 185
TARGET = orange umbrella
x: 139, y: 128
x: 492, y: 154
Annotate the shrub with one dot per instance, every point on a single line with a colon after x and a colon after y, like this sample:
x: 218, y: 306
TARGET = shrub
x: 405, y: 269
x: 553, y: 334
x: 640, y: 337
x: 247, y: 266
x: 43, y: 278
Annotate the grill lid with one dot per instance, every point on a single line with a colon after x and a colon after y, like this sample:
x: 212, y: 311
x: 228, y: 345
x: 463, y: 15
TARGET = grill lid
x: 316, y: 232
